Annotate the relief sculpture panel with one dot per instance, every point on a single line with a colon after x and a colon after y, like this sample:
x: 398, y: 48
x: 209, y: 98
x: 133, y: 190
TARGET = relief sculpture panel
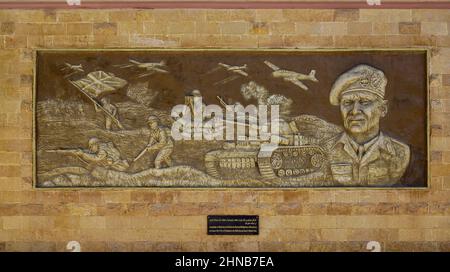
x: 231, y: 118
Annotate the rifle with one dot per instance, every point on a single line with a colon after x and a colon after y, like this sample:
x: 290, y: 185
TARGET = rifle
x: 142, y: 153
x: 221, y: 101
x: 66, y: 151
x: 63, y: 151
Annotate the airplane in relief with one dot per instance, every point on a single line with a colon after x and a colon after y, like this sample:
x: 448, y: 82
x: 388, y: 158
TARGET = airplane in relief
x: 292, y: 76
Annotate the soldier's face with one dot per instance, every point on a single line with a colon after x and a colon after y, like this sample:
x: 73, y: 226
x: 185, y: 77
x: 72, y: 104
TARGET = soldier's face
x: 361, y: 111
x: 152, y: 124
x: 93, y: 147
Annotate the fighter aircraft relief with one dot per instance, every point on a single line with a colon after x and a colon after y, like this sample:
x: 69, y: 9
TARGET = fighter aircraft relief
x: 231, y: 118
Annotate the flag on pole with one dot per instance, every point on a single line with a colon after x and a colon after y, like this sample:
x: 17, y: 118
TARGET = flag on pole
x: 99, y: 83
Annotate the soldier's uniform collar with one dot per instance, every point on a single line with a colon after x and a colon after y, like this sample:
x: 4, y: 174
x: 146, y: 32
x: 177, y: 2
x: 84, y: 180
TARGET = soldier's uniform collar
x: 381, y: 141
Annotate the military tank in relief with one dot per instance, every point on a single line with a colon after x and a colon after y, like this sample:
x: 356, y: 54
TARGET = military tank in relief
x: 300, y: 155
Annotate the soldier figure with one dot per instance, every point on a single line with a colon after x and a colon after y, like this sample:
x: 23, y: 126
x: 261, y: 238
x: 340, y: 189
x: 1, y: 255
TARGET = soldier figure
x: 362, y: 155
x: 111, y: 109
x: 159, y: 140
x: 104, y: 154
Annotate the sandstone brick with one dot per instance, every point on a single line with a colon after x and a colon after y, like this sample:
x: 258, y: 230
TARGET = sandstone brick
x: 334, y: 234
x: 68, y: 16
x: 290, y: 221
x: 443, y: 41
x: 352, y: 246
x: 299, y: 15
x: 296, y: 196
x: 372, y: 234
x: 17, y: 246
x: 235, y: 28
x: 409, y: 28
x: 155, y: 27
x: 278, y: 28
x: 9, y: 158
x: 289, y: 208
x: 7, y: 28
x: 358, y: 28
x: 414, y: 208
x: 194, y: 222
x: 273, y: 15
x: 33, y: 15
x: 346, y: 15
x: 130, y: 28
x: 153, y: 41
x: 108, y: 41
x: 333, y: 28
x: 105, y: 29
x: 386, y: 15
x: 242, y: 15
x: 79, y: 28
x: 122, y: 15
x: 181, y: 27
x: 167, y: 246
x: 307, y: 28
x: 306, y: 41
x: 94, y: 15
x: 259, y: 28
x: 218, y: 15
x: 430, y: 15
x: 446, y: 80
x: 412, y: 246
x: 197, y: 15
x: 271, y: 197
x: 325, y: 221
x: 54, y: 29
x: 322, y: 246
x: 244, y: 197
x: 13, y: 42
x: 113, y: 246
x: 272, y: 246
x: 146, y: 197
x: 434, y: 28
x: 207, y: 28
x: 28, y: 29
x: 9, y: 171
x: 92, y: 222
x: 193, y: 246
x: 339, y: 208
x: 383, y: 28
x: 440, y: 234
x: 117, y: 197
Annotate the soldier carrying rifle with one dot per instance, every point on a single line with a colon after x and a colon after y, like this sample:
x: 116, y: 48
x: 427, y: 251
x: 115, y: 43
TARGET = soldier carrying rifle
x: 160, y: 141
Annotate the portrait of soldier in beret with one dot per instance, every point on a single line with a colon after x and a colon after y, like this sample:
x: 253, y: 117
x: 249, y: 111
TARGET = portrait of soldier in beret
x: 362, y: 155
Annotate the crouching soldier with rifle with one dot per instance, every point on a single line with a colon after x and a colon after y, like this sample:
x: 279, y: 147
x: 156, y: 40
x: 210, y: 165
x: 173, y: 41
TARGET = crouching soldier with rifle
x: 103, y: 154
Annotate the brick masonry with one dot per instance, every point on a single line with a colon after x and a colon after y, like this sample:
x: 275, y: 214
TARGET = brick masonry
x: 175, y: 219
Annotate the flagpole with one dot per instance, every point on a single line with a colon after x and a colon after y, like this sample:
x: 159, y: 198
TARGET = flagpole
x: 98, y: 104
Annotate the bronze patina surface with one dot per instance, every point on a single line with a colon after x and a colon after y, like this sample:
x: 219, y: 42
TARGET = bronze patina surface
x: 347, y: 118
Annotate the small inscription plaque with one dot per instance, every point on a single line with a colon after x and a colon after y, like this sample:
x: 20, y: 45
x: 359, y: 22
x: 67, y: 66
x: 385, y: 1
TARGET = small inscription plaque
x: 233, y: 224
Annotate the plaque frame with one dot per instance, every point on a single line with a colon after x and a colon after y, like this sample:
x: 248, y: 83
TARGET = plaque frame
x: 424, y: 50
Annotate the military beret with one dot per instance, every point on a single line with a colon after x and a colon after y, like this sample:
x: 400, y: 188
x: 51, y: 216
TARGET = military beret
x: 360, y: 78
x: 152, y: 118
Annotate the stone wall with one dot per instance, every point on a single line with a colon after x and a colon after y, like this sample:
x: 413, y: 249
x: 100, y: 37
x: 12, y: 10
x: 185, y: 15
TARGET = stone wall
x: 175, y: 219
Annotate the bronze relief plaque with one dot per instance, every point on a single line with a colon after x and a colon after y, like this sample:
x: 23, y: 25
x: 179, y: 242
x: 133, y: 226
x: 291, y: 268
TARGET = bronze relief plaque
x: 231, y: 118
